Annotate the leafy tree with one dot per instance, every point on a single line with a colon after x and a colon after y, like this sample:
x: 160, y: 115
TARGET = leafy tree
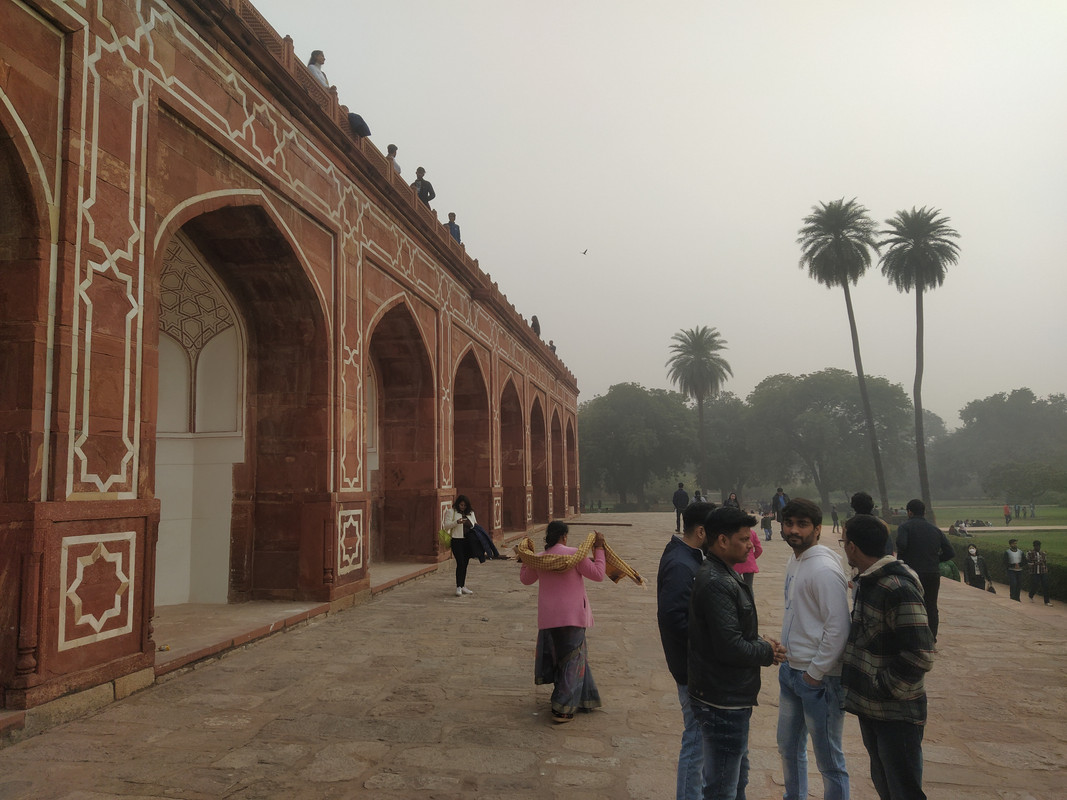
x: 1014, y: 426
x: 698, y: 370
x: 836, y: 243
x: 816, y: 425
x: 1023, y: 482
x: 630, y: 435
x: 729, y: 455
x: 918, y: 249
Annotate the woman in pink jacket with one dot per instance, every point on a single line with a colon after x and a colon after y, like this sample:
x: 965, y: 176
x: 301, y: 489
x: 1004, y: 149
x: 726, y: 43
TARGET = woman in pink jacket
x: 563, y: 614
x: 747, y: 569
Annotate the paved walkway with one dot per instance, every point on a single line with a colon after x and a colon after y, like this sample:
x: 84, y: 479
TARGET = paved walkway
x: 418, y: 693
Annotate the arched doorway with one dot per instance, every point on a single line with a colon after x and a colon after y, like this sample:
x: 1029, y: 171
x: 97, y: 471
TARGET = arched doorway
x: 538, y: 462
x: 404, y: 522
x: 572, y: 467
x: 258, y: 411
x: 471, y: 461
x: 199, y: 427
x: 559, y: 482
x: 512, y: 461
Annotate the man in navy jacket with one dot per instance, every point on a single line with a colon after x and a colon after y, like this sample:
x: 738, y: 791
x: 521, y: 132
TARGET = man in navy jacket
x: 674, y: 584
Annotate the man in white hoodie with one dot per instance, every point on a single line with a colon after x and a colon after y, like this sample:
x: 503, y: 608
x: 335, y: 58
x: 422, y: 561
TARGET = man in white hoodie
x: 815, y: 631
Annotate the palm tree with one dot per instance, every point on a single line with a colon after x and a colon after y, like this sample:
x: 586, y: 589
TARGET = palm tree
x: 699, y: 371
x: 919, y: 249
x: 836, y: 243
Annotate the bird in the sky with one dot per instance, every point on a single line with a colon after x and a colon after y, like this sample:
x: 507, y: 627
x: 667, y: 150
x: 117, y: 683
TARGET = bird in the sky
x: 586, y: 250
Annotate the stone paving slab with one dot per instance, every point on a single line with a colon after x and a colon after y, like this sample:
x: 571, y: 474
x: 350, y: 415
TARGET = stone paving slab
x: 418, y: 693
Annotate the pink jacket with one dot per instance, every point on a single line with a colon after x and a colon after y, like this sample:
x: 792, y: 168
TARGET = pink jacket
x: 561, y: 597
x: 749, y: 564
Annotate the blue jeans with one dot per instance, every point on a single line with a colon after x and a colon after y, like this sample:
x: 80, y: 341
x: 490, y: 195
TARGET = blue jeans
x: 691, y: 756
x: 896, y: 755
x: 814, y: 710
x: 725, y: 735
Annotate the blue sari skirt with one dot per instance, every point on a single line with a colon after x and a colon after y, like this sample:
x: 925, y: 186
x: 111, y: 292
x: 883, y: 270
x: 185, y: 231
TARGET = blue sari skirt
x: 562, y: 659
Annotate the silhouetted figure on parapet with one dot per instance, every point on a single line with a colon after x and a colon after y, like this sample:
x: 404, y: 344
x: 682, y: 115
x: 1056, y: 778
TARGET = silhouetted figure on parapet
x: 423, y: 187
x: 392, y: 158
x: 535, y: 325
x: 453, y: 228
x: 318, y: 58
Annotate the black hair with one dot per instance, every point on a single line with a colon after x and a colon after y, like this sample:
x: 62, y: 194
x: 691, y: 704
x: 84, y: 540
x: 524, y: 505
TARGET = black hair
x: 727, y: 521
x: 313, y: 54
x: 462, y: 499
x: 868, y: 533
x: 917, y: 507
x: 555, y: 531
x: 695, y: 515
x: 862, y: 503
x: 804, y: 509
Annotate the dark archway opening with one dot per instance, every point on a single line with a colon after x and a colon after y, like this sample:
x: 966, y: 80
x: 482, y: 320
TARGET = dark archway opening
x: 559, y: 483
x: 404, y: 516
x: 471, y: 460
x: 512, y: 461
x: 572, y: 467
x: 539, y: 462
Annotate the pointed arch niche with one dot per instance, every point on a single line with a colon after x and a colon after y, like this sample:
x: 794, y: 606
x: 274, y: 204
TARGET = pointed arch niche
x: 471, y: 451
x: 538, y: 462
x: 200, y: 427
x: 512, y: 460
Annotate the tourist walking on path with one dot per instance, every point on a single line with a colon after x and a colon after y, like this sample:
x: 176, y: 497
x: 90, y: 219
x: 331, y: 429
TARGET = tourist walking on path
x: 459, y: 522
x: 923, y: 546
x: 778, y: 503
x: 731, y: 501
x: 563, y: 614
x: 890, y: 649
x: 1014, y: 560
x: 678, y: 567
x: 725, y: 654
x: 1037, y: 563
x: 975, y: 571
x: 815, y: 628
x: 680, y: 500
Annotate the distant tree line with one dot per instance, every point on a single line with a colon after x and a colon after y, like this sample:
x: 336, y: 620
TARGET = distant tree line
x: 812, y: 429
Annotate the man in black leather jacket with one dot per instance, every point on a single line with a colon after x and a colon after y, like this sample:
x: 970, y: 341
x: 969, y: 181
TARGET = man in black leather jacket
x: 726, y: 653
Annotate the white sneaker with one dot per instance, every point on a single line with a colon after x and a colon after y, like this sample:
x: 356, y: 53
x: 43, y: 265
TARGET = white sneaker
x: 459, y: 592
x: 465, y: 590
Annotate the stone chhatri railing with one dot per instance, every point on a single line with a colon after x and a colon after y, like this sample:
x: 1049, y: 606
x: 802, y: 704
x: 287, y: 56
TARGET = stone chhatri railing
x: 258, y: 30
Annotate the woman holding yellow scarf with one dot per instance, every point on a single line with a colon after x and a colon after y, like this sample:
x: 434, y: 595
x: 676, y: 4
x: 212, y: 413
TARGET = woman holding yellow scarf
x: 563, y: 614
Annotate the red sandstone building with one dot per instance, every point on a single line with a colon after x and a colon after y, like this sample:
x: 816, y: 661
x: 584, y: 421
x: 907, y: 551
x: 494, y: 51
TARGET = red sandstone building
x: 238, y: 359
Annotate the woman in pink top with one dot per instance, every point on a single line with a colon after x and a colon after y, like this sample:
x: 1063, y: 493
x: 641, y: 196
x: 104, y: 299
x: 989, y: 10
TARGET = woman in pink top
x: 563, y: 614
x: 747, y: 569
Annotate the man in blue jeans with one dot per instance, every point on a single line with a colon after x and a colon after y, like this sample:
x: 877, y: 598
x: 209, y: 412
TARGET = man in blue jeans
x: 674, y: 585
x: 815, y: 630
x: 725, y: 654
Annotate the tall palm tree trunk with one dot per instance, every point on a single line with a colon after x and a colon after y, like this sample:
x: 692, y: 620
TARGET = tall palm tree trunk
x: 917, y: 392
x: 872, y: 434
x: 702, y: 467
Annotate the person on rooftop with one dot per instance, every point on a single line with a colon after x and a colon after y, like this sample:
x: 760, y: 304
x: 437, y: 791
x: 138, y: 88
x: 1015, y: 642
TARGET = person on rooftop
x: 318, y: 58
x: 423, y: 186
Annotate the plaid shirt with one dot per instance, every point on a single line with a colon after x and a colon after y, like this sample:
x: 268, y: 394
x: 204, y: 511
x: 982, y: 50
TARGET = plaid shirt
x: 890, y: 647
x: 1036, y: 561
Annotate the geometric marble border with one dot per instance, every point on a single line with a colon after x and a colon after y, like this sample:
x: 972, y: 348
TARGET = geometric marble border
x: 349, y: 523
x: 123, y: 593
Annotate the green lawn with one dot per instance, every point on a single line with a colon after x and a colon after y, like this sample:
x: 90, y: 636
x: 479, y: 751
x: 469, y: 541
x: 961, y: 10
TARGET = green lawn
x: 952, y: 511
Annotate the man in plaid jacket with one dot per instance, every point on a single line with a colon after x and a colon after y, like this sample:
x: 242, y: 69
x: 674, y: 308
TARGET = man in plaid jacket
x: 890, y: 649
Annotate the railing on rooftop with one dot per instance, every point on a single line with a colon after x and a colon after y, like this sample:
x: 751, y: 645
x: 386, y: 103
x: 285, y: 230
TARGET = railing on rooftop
x: 283, y: 50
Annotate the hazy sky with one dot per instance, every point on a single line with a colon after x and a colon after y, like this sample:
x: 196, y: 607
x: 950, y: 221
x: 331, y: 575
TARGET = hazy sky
x: 683, y: 142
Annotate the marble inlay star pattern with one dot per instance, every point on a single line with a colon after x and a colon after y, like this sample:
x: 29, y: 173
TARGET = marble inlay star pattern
x: 192, y: 310
x: 83, y: 617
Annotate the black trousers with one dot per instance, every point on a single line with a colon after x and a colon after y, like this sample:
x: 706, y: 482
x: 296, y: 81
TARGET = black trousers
x: 462, y: 553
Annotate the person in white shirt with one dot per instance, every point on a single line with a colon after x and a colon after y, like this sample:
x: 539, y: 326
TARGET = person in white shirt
x: 459, y: 521
x: 815, y: 631
x: 315, y: 65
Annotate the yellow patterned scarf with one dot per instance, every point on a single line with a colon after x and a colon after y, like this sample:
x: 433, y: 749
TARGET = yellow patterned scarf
x: 614, y: 567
